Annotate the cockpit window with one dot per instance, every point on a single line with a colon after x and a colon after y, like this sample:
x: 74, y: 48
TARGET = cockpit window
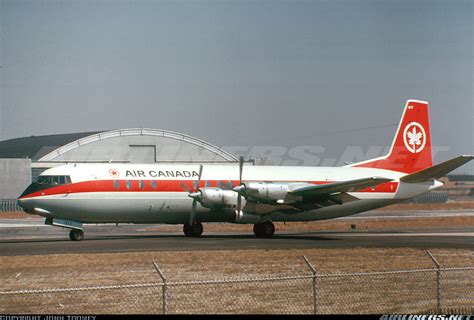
x: 46, y: 182
x: 53, y: 180
x: 41, y: 180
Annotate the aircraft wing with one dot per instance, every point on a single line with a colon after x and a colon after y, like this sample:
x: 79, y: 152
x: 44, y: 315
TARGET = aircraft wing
x: 335, y: 193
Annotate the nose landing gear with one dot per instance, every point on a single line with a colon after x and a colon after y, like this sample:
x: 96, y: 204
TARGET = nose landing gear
x: 76, y: 235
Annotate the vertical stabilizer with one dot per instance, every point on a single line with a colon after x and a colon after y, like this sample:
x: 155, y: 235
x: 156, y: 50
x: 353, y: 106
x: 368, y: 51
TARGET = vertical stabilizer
x: 411, y: 147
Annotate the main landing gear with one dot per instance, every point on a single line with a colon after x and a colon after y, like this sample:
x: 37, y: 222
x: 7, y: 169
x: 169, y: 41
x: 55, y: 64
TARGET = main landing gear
x: 261, y: 230
x: 264, y: 230
x: 194, y: 230
x: 76, y: 235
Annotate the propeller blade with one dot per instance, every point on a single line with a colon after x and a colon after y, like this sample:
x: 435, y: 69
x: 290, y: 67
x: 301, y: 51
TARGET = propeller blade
x: 240, y: 187
x: 195, y: 195
x: 193, y: 212
x: 241, y: 168
x: 185, y: 187
x: 196, y: 185
x: 200, y: 172
x: 239, y: 203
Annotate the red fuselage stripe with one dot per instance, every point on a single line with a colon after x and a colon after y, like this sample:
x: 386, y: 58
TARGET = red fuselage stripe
x: 162, y: 186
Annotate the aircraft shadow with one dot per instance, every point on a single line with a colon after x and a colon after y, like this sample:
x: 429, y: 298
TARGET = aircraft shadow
x: 203, y: 238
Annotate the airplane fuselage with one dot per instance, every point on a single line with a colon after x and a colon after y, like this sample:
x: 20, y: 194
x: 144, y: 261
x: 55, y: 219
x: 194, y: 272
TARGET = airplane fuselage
x: 190, y: 194
x: 129, y: 193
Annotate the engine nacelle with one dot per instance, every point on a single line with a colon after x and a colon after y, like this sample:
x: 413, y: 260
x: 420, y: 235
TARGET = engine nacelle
x: 214, y: 198
x: 226, y: 200
x: 266, y: 192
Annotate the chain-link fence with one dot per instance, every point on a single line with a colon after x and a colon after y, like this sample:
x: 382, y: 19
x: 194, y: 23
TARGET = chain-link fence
x: 120, y: 299
x: 9, y: 205
x: 415, y: 291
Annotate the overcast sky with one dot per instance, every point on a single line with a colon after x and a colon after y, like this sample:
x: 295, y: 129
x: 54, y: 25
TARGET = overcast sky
x: 239, y: 73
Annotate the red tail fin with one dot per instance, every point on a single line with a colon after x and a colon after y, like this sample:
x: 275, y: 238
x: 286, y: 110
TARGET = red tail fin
x: 411, y: 148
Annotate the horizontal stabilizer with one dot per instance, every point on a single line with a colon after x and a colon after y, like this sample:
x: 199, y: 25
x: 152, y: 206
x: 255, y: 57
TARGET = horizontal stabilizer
x: 436, y: 171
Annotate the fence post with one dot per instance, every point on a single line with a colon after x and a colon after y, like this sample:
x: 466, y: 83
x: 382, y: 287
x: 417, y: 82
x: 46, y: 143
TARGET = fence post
x: 438, y: 281
x: 315, y: 291
x: 163, y: 278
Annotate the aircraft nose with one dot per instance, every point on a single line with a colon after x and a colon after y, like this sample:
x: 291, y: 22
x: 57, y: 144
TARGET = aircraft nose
x: 23, y: 203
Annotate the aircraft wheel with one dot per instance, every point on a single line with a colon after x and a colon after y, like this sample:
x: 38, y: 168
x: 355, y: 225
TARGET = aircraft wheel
x: 76, y: 235
x: 194, y: 230
x: 268, y: 229
x: 264, y: 230
x: 257, y: 230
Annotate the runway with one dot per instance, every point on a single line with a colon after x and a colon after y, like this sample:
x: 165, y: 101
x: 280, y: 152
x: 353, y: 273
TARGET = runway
x: 31, y: 237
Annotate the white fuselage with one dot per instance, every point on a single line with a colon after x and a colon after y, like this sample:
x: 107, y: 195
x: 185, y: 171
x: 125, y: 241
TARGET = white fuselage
x: 153, y: 193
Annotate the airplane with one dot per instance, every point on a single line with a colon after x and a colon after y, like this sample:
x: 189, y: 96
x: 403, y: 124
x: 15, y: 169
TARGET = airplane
x: 74, y: 194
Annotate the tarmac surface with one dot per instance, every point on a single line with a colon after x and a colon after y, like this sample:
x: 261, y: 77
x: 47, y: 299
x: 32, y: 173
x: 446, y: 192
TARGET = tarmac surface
x: 32, y: 237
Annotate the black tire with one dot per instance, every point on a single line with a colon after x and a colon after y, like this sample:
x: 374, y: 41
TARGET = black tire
x: 187, y: 230
x: 76, y: 235
x: 264, y: 230
x: 194, y: 230
x: 257, y: 230
x: 267, y: 229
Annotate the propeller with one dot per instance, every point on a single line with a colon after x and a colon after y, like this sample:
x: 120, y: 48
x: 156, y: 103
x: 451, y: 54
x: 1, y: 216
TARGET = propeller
x: 195, y: 194
x: 241, y: 187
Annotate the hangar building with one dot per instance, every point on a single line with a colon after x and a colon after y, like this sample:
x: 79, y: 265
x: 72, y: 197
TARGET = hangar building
x: 23, y: 159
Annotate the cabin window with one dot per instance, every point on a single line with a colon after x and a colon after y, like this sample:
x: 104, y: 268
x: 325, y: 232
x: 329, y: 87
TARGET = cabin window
x: 129, y: 184
x: 116, y: 184
x: 153, y: 184
x: 141, y: 184
x: 208, y: 184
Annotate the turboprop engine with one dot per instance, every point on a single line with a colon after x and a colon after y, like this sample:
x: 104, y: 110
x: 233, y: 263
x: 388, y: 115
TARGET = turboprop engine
x: 264, y: 192
x: 219, y: 199
x: 228, y: 200
x: 214, y: 198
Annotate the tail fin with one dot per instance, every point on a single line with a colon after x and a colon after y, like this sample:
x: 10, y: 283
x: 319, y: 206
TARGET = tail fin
x: 411, y: 148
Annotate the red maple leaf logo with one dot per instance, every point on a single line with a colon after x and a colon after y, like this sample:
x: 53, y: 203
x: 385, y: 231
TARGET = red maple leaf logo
x: 414, y: 137
x: 114, y: 173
